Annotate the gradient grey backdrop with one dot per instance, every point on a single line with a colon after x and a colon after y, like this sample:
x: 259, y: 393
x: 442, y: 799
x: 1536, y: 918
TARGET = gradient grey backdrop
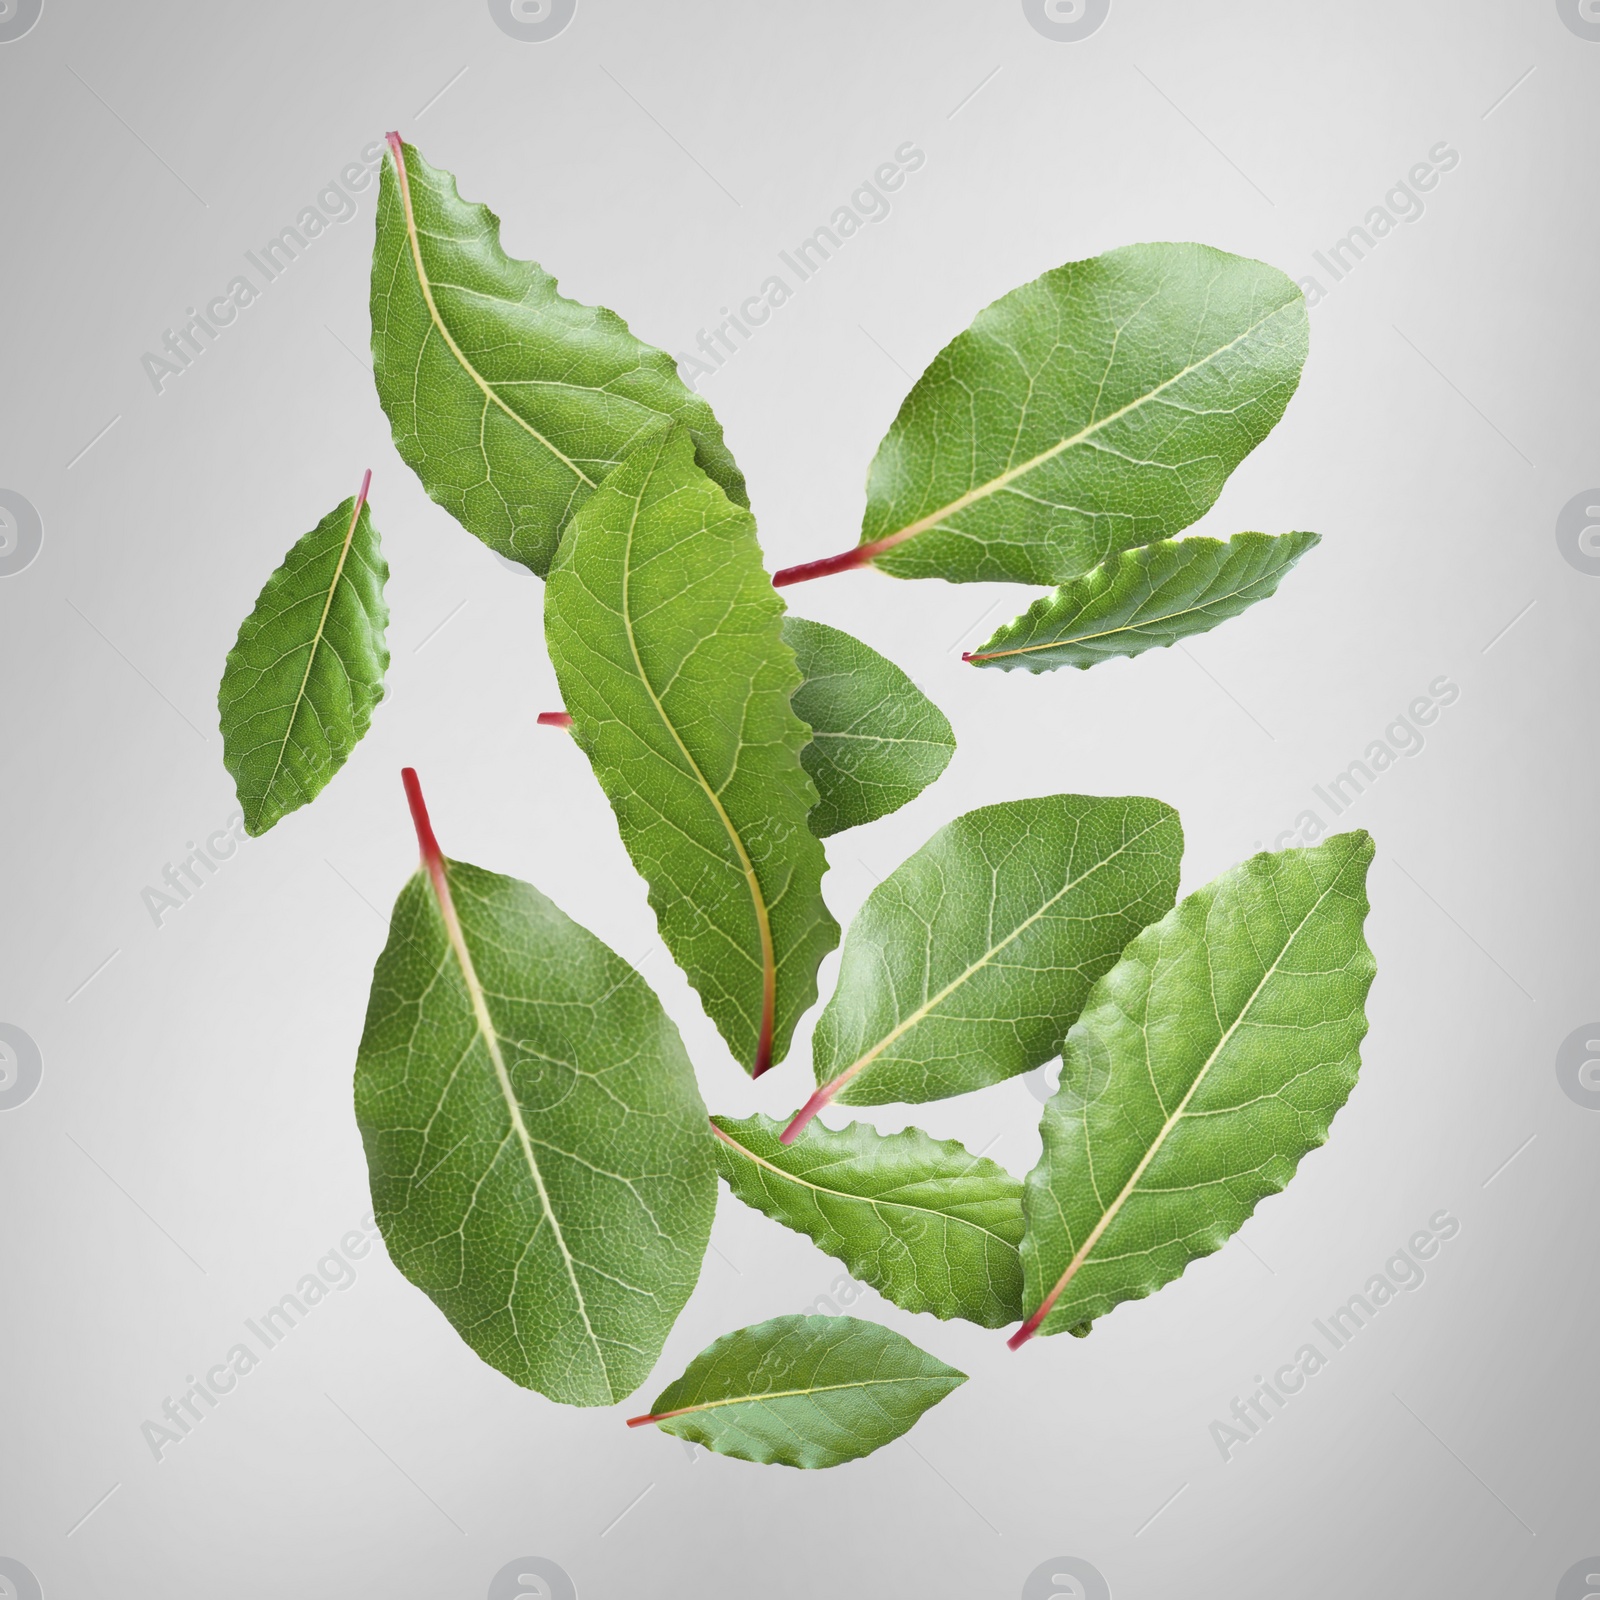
x: 190, y: 1152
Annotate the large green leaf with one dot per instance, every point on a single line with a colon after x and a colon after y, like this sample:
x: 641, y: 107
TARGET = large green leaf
x: 667, y: 640
x: 1143, y: 599
x: 969, y: 962
x: 1100, y: 407
x: 307, y: 669
x: 1206, y: 1063
x: 534, y: 1135
x: 510, y: 402
x: 803, y: 1391
x: 877, y: 740
x: 928, y: 1225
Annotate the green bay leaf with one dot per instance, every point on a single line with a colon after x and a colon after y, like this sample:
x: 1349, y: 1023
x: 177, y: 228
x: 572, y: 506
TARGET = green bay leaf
x: 1206, y: 1063
x: 803, y: 1392
x: 877, y: 741
x: 510, y: 402
x: 1098, y: 408
x: 667, y: 641
x: 968, y: 963
x: 928, y: 1225
x: 307, y: 669
x: 534, y: 1134
x: 1144, y: 599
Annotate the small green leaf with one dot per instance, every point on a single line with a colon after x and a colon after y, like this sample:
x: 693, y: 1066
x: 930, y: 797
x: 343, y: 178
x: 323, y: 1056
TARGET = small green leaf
x: 928, y: 1225
x: 534, y: 1134
x: 1144, y: 599
x: 877, y: 740
x: 970, y: 960
x: 1206, y: 1063
x: 1098, y: 408
x: 667, y: 641
x: 507, y: 400
x: 307, y: 669
x: 803, y: 1392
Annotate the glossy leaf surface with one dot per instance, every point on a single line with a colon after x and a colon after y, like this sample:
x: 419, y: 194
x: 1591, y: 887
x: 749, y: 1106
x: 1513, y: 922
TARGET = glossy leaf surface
x: 968, y: 963
x: 1098, y: 408
x: 803, y: 1391
x: 928, y: 1225
x: 877, y: 740
x: 1206, y: 1064
x: 510, y: 402
x: 301, y: 682
x: 535, y: 1138
x: 667, y: 641
x: 1144, y: 599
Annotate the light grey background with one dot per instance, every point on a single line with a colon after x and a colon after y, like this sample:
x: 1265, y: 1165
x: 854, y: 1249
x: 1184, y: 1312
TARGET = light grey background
x: 190, y: 1152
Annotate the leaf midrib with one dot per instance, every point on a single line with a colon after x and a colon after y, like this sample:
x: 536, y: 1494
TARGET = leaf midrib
x: 994, y: 485
x: 860, y: 1199
x: 316, y: 644
x: 425, y: 284
x: 927, y: 1007
x: 795, y: 1394
x: 1124, y: 627
x: 1109, y: 1215
x: 491, y: 1038
x: 769, y: 962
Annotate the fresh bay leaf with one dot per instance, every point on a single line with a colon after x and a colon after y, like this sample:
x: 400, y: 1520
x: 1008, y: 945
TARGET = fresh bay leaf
x: 534, y: 1134
x: 803, y: 1392
x: 968, y: 963
x: 667, y: 641
x: 1206, y: 1063
x: 877, y: 740
x: 307, y: 669
x: 509, y: 401
x: 1143, y: 599
x: 1098, y: 408
x: 928, y: 1225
